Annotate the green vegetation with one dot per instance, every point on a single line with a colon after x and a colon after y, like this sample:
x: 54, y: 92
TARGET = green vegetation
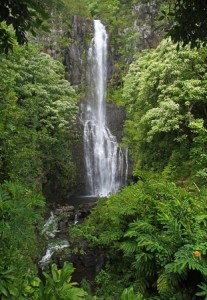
x: 58, y: 285
x: 20, y: 211
x: 165, y: 94
x: 22, y: 16
x: 154, y: 238
x: 183, y: 31
x: 153, y: 233
x: 38, y: 110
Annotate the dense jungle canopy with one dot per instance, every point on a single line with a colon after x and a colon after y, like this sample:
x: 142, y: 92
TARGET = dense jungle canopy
x: 152, y: 233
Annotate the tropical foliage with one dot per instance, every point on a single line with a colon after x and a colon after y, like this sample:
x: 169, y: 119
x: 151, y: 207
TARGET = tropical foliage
x: 38, y: 110
x: 22, y: 16
x: 183, y: 31
x: 154, y: 235
x: 38, y: 113
x: 20, y: 212
x: 165, y: 96
x: 59, y: 285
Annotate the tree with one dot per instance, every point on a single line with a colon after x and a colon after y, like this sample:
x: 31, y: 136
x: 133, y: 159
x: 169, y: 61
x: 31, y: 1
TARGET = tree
x: 189, y: 22
x: 23, y: 16
x: 38, y: 113
x: 165, y: 96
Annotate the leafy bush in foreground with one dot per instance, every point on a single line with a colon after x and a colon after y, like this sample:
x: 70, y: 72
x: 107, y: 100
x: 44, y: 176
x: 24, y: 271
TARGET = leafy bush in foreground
x: 155, y: 240
x: 19, y: 215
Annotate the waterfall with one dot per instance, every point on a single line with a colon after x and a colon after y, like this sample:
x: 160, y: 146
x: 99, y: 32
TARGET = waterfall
x: 105, y: 161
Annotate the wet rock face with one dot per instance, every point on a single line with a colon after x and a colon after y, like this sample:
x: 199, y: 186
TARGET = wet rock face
x: 115, y: 120
x: 69, y: 215
x: 150, y: 33
x: 75, y: 56
x: 88, y: 265
x: 66, y: 217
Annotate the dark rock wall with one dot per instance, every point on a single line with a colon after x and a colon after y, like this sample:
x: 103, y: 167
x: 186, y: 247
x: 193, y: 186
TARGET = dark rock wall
x: 76, y: 54
x: 115, y: 120
x: 150, y: 33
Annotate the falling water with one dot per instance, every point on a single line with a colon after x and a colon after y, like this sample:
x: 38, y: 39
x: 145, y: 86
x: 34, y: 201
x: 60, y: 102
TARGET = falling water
x: 106, y: 162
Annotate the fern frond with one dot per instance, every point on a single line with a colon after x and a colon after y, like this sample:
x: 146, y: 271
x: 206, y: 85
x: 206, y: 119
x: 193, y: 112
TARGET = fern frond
x: 168, y: 285
x: 129, y: 247
x: 151, y: 243
x: 163, y: 286
x: 185, y: 260
x: 203, y: 292
x: 140, y: 226
x: 145, y: 264
x: 141, y: 284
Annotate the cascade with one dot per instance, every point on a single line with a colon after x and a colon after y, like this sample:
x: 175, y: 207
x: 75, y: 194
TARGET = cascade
x: 105, y: 161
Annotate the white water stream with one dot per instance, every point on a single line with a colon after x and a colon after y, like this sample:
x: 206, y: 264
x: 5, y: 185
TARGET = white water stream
x: 106, y: 162
x: 50, y: 229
